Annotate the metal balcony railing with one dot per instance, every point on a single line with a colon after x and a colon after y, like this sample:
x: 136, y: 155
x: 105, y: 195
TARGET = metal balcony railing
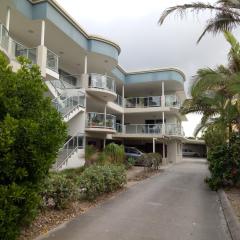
x: 69, y: 148
x: 172, y: 101
x: 4, y: 37
x: 100, y: 120
x: 52, y: 61
x: 143, y: 102
x: 102, y: 82
x: 67, y: 105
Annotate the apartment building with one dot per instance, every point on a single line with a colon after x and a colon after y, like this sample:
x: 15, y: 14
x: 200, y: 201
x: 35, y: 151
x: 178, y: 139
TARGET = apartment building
x: 99, y: 101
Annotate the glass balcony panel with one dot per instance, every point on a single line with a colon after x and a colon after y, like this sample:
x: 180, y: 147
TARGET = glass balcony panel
x: 52, y: 61
x: 143, y: 128
x: 4, y: 37
x: 102, y: 82
x: 118, y: 100
x: 172, y: 101
x: 143, y: 102
x: 173, y: 129
x: 98, y: 120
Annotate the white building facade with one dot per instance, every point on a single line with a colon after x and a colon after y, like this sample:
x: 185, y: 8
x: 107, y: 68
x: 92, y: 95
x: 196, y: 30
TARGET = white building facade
x: 99, y: 101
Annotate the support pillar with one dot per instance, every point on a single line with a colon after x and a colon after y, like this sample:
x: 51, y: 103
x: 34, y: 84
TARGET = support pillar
x: 105, y: 116
x: 154, y: 145
x: 123, y: 96
x: 163, y: 103
x: 85, y: 64
x: 164, y: 160
x: 163, y: 124
x: 123, y: 122
x: 172, y: 152
x: 8, y: 18
x: 104, y: 143
x: 42, y: 33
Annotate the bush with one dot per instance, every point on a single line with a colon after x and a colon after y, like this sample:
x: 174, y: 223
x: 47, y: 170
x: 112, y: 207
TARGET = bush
x: 150, y: 160
x: 224, y: 164
x: 31, y: 132
x: 90, y: 155
x: 58, y: 190
x: 129, y: 163
x: 97, y: 180
x: 115, y: 153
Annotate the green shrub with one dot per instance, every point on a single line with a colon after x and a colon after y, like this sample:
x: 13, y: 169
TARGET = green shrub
x: 224, y: 164
x: 97, y: 180
x: 31, y: 132
x: 90, y: 155
x: 150, y: 160
x: 129, y: 162
x: 115, y: 153
x: 58, y: 190
x: 73, y: 173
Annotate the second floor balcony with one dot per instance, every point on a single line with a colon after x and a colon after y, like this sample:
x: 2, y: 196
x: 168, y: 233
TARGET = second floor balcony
x: 102, y: 86
x: 101, y: 122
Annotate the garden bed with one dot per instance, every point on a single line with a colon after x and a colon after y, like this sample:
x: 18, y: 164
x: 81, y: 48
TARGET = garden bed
x: 50, y: 218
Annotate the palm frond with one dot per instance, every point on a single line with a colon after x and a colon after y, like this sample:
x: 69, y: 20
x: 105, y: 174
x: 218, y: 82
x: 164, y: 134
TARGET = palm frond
x: 181, y: 10
x: 223, y: 21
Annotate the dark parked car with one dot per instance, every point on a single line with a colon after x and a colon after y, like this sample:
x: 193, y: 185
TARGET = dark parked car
x: 132, y: 152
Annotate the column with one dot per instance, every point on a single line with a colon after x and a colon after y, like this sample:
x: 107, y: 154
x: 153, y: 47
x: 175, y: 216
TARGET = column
x: 42, y: 33
x: 104, y: 143
x: 164, y: 160
x: 163, y: 95
x: 123, y: 122
x: 8, y: 18
x: 154, y: 145
x: 85, y: 64
x: 123, y: 96
x: 163, y: 123
x: 105, y: 115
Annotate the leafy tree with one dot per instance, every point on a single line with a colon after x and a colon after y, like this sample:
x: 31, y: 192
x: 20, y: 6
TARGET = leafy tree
x: 31, y: 132
x: 226, y: 14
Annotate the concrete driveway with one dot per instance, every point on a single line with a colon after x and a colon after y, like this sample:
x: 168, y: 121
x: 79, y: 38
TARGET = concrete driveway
x: 174, y: 205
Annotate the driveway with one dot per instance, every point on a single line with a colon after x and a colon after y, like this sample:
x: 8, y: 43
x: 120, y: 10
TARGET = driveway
x: 174, y: 205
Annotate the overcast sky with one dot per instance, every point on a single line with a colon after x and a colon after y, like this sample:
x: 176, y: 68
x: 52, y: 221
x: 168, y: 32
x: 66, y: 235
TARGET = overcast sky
x: 133, y: 25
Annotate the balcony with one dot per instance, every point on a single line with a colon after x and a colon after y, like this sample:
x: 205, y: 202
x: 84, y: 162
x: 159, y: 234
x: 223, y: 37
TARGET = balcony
x: 99, y: 122
x: 70, y: 106
x: 172, y: 101
x: 20, y: 50
x: 143, y: 102
x: 119, y: 100
x: 102, y: 86
x: 4, y: 38
x: 150, y: 130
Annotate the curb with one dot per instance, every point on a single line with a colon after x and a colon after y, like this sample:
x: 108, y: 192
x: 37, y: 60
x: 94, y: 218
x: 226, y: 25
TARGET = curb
x: 231, y: 219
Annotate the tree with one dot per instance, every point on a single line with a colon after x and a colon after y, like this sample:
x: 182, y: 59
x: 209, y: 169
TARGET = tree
x: 215, y: 94
x: 31, y: 132
x: 226, y: 15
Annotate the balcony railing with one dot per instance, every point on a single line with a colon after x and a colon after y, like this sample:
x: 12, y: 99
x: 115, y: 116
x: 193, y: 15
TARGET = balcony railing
x: 143, y: 102
x: 21, y: 50
x: 172, y: 101
x: 4, y: 37
x: 143, y: 129
x: 119, y: 100
x: 69, y: 148
x: 100, y: 120
x: 168, y: 128
x: 173, y: 129
x: 52, y: 61
x: 66, y: 105
x: 101, y: 82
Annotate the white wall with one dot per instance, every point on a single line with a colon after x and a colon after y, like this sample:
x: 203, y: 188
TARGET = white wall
x: 77, y: 124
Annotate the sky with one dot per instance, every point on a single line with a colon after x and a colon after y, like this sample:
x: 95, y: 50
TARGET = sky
x: 133, y: 24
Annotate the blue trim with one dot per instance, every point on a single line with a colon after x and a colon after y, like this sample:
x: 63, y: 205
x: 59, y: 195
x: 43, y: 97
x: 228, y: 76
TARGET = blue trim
x: 150, y: 76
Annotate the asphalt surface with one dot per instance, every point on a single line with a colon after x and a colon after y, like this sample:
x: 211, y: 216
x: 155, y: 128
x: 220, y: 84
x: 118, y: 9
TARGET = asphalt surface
x: 174, y: 205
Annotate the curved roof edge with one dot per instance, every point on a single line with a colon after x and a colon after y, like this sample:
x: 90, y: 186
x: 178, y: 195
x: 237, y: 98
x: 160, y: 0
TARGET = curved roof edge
x: 77, y: 25
x: 153, y: 73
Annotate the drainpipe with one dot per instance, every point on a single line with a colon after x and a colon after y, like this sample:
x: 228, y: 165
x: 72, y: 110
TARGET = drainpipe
x: 163, y: 95
x: 163, y: 124
x: 154, y: 147
x: 105, y: 116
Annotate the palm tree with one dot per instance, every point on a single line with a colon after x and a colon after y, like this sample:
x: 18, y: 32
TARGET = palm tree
x: 215, y: 93
x: 226, y: 14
